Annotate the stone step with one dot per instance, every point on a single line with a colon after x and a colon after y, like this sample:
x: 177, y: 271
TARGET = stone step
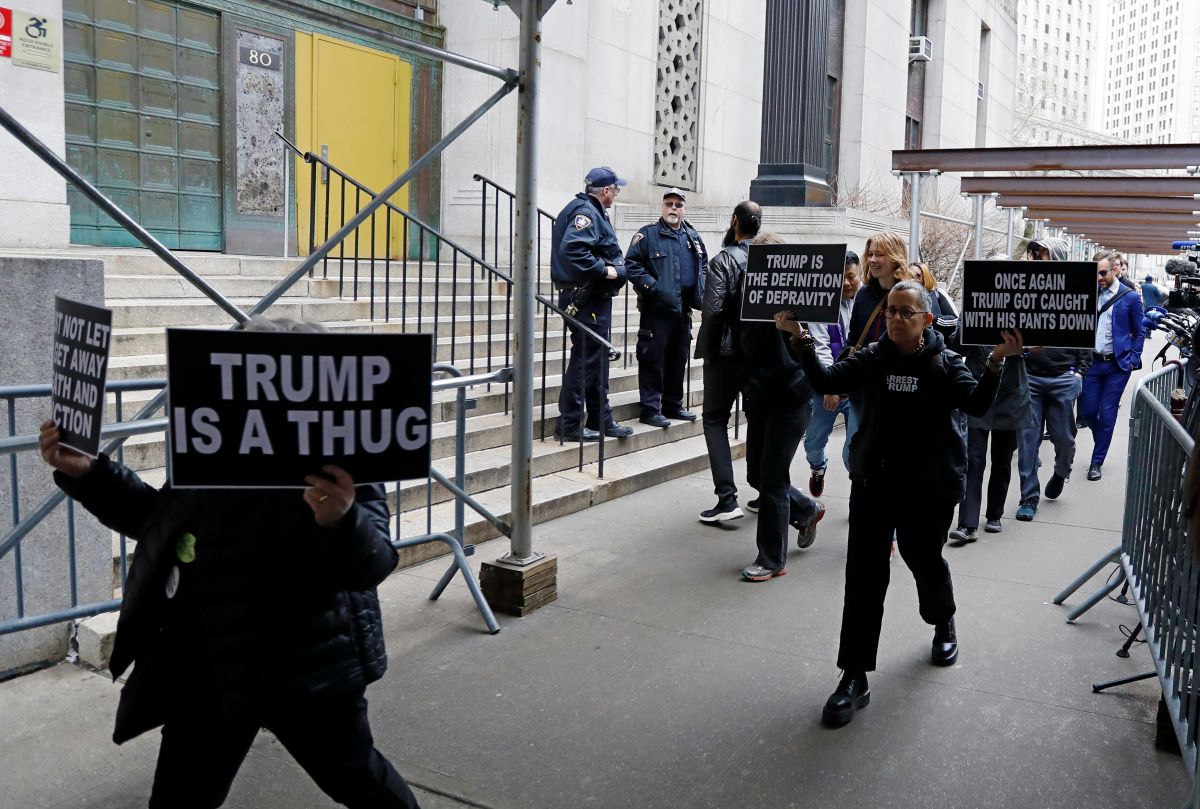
x: 118, y: 287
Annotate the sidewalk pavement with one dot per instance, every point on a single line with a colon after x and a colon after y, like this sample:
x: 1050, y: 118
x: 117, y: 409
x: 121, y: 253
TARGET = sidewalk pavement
x: 659, y: 679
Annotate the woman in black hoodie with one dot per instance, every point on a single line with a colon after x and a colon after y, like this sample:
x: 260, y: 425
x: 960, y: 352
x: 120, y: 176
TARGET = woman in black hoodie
x: 908, y: 437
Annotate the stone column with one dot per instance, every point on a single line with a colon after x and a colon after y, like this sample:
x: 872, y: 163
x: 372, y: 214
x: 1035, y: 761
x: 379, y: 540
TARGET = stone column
x: 794, y: 78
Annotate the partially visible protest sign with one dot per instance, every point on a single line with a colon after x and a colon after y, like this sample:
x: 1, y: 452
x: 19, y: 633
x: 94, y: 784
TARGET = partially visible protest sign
x: 804, y: 279
x: 264, y: 409
x: 80, y: 363
x: 1053, y: 303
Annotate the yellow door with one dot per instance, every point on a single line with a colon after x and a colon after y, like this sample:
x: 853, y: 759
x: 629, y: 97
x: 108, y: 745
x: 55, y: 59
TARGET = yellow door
x: 354, y: 103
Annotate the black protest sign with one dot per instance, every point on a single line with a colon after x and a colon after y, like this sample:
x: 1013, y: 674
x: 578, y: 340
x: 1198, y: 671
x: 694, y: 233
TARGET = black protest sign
x: 1053, y: 303
x: 804, y: 279
x: 262, y: 409
x: 80, y: 363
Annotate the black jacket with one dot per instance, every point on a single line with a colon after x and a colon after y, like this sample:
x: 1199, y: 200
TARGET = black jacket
x: 653, y: 271
x: 281, y: 608
x: 908, y: 416
x: 1050, y: 362
x: 773, y: 370
x: 721, y: 308
x: 1012, y: 409
x: 583, y: 246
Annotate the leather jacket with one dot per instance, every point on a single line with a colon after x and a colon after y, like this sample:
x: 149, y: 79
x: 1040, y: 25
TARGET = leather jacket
x: 721, y: 307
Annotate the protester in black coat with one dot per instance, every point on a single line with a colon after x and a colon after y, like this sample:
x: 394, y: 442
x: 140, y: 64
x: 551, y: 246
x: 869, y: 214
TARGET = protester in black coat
x: 245, y: 610
x: 907, y: 463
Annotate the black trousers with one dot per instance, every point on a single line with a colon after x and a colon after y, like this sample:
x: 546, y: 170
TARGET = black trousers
x: 724, y: 378
x: 585, y: 383
x: 919, y: 523
x: 774, y: 430
x: 1004, y: 444
x: 201, y: 752
x: 664, y: 340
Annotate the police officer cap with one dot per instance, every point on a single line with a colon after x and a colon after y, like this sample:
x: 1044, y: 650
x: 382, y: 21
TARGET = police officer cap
x: 675, y: 192
x: 602, y: 177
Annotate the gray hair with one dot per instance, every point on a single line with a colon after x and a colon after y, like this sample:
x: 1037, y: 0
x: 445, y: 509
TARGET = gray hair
x: 910, y: 286
x: 262, y: 323
x: 595, y: 190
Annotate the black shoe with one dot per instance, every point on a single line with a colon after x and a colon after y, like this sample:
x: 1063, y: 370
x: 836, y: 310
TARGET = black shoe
x: 752, y: 506
x: 852, y: 693
x: 722, y: 512
x: 615, y: 430
x: 1054, y: 486
x: 816, y: 482
x: 588, y: 435
x: 945, y: 645
x: 680, y: 415
x: 1094, y: 472
x: 808, y: 533
x: 655, y: 420
x: 961, y: 536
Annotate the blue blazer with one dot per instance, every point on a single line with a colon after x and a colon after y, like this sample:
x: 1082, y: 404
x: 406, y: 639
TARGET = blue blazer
x: 1129, y: 333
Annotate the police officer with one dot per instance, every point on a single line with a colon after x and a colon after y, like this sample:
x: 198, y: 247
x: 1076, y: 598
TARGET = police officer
x: 587, y: 268
x: 665, y: 264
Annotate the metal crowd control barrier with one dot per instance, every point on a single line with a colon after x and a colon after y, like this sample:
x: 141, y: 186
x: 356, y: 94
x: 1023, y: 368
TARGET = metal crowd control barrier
x: 10, y: 542
x: 1156, y: 559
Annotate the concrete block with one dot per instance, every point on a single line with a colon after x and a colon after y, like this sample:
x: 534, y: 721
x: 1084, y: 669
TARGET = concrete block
x: 95, y: 638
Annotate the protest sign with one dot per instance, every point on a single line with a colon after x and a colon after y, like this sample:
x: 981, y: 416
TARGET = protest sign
x: 1053, y: 303
x: 80, y: 365
x: 264, y: 409
x: 804, y: 279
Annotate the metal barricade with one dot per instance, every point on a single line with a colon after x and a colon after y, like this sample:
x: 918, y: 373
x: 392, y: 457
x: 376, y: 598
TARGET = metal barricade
x: 23, y: 521
x: 1155, y: 557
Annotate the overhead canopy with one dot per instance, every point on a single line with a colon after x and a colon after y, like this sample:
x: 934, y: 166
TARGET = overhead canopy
x: 1132, y: 214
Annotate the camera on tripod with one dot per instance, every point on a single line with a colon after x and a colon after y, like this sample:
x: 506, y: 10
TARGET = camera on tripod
x: 1186, y: 294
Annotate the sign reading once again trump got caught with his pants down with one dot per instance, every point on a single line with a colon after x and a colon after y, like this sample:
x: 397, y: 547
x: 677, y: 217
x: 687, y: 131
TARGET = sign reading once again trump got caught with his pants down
x: 262, y: 409
x: 804, y: 279
x: 1053, y: 303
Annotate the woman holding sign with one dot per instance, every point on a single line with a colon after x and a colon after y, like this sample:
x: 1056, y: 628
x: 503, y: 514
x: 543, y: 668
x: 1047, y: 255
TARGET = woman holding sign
x: 907, y: 464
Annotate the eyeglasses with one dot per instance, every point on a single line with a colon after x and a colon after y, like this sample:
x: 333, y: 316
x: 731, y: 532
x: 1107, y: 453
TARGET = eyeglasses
x: 1102, y: 273
x: 904, y: 313
x: 673, y: 204
x: 616, y: 189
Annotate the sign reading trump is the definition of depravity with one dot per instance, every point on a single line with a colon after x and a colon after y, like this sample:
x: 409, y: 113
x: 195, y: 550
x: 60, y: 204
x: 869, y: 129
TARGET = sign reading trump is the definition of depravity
x: 80, y: 363
x: 804, y: 279
x: 1053, y: 303
x: 264, y: 409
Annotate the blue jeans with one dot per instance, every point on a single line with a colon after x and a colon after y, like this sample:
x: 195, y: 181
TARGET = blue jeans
x: 1052, y: 400
x: 1099, y: 402
x: 821, y: 426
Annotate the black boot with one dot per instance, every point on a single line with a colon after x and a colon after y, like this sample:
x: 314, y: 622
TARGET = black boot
x: 945, y: 644
x: 852, y: 693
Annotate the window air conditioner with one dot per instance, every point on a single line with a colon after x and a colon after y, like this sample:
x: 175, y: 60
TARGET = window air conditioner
x: 920, y: 49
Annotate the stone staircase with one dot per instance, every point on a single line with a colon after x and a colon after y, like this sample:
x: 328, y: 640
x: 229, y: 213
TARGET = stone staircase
x: 146, y: 297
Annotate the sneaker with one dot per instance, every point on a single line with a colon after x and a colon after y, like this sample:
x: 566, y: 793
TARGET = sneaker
x: 760, y: 573
x: 752, y: 506
x: 962, y: 535
x: 1054, y: 487
x: 1094, y: 472
x: 816, y: 482
x: 1027, y: 510
x: 721, y: 513
x: 852, y: 694
x: 807, y: 535
x: 993, y: 526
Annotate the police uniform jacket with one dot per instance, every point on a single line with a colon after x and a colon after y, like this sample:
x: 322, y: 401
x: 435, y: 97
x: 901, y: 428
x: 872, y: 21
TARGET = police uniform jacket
x: 583, y: 247
x: 269, y: 609
x: 653, y: 268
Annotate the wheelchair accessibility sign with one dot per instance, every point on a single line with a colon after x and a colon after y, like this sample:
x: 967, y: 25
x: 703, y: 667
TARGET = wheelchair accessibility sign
x: 35, y: 40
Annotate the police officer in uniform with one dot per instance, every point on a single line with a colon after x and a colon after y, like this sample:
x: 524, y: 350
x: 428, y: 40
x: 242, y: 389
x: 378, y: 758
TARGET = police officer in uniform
x: 588, y: 269
x: 665, y: 264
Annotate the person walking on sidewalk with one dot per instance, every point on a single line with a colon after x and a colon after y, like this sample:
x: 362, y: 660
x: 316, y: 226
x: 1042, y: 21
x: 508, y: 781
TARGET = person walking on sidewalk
x: 1055, y: 378
x: 1120, y: 336
x: 831, y: 339
x: 907, y: 466
x: 245, y: 610
x: 778, y: 406
x: 665, y: 265
x: 588, y: 269
x: 718, y: 344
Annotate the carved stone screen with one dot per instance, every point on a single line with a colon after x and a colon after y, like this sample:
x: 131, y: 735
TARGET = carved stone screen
x: 677, y: 96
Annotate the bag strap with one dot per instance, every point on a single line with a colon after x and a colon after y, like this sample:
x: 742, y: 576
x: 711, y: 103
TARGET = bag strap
x: 1124, y: 291
x: 862, y: 338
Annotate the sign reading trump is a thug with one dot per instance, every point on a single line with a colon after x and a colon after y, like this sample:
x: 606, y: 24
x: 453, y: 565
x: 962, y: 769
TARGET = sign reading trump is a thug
x: 804, y: 279
x: 1053, y: 303
x: 264, y: 409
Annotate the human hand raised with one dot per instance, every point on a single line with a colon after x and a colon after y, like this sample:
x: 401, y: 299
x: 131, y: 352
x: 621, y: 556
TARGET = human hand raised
x: 329, y: 499
x: 1013, y: 345
x: 71, y: 463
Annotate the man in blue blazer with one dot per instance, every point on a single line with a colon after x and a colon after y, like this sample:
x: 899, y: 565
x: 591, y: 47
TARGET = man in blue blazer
x: 1118, y: 352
